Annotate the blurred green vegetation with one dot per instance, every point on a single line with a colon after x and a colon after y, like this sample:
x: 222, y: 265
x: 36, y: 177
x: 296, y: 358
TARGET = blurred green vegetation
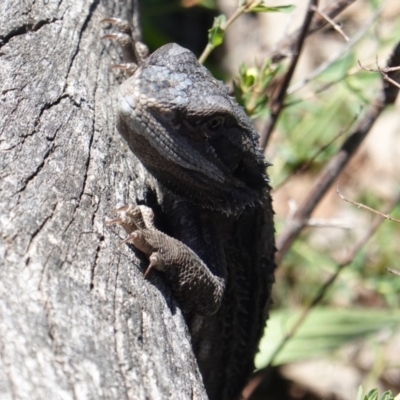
x: 324, y: 331
x: 373, y: 395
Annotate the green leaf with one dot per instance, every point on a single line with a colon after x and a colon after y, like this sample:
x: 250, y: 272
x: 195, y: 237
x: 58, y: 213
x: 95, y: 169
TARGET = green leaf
x: 242, y: 3
x: 251, y: 87
x: 360, y: 393
x: 372, y: 395
x: 386, y: 396
x: 262, y: 8
x: 216, y: 33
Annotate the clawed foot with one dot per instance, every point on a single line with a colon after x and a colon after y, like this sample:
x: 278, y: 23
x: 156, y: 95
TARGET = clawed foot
x: 138, y: 222
x: 134, y: 53
x: 194, y: 285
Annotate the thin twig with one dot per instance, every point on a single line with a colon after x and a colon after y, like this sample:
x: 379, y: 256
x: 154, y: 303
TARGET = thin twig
x: 353, y: 71
x: 259, y: 376
x: 322, y: 88
x: 379, y: 69
x: 278, y: 99
x: 336, y: 165
x: 393, y: 271
x: 353, y: 41
x: 329, y: 223
x: 304, y: 167
x: 363, y: 206
x: 286, y: 46
x: 383, y: 72
x: 238, y: 12
x: 390, y: 80
x: 334, y: 25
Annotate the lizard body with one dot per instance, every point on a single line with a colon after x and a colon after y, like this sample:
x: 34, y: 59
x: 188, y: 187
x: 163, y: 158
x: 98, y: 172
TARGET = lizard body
x: 217, y: 251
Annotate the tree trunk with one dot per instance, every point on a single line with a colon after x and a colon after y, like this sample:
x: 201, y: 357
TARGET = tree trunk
x: 77, y: 318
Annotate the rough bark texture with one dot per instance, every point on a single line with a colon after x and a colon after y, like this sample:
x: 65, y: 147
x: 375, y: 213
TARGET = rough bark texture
x: 77, y: 318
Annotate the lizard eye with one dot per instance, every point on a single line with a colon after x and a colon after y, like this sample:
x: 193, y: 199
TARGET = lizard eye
x: 215, y: 123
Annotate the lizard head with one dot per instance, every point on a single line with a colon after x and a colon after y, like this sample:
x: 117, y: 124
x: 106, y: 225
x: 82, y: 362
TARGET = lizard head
x: 190, y: 134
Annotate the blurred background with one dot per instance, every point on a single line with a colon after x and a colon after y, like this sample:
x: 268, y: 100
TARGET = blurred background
x: 352, y: 337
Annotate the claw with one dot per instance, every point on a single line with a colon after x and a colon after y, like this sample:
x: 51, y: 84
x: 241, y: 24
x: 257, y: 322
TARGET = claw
x: 131, y: 238
x: 148, y: 269
x: 111, y: 36
x: 121, y: 24
x: 123, y: 208
x: 129, y: 68
x: 125, y: 219
x: 115, y: 221
x: 136, y: 220
x: 155, y: 262
x: 122, y: 38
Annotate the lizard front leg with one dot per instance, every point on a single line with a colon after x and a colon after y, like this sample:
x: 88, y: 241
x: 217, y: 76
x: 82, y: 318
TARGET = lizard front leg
x: 196, y: 288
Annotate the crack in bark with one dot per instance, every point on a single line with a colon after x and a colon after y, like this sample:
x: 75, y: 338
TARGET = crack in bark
x: 89, y: 15
x: 33, y: 175
x: 40, y: 227
x: 23, y: 29
x: 87, y: 163
x: 82, y: 191
x: 5, y: 91
x: 48, y: 106
x: 94, y: 264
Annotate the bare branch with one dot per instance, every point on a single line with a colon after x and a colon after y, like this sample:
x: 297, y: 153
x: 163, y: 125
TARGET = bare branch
x: 393, y: 82
x: 383, y: 72
x: 314, y: 92
x: 286, y: 47
x: 332, y: 170
x: 363, y: 206
x: 353, y: 41
x: 328, y: 223
x: 379, y: 69
x: 393, y: 271
x: 334, y: 25
x: 278, y: 99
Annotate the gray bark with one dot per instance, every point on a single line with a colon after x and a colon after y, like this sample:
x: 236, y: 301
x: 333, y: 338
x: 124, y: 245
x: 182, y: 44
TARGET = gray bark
x: 77, y: 318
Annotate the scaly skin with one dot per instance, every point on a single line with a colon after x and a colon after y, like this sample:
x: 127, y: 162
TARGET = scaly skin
x: 218, y: 255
